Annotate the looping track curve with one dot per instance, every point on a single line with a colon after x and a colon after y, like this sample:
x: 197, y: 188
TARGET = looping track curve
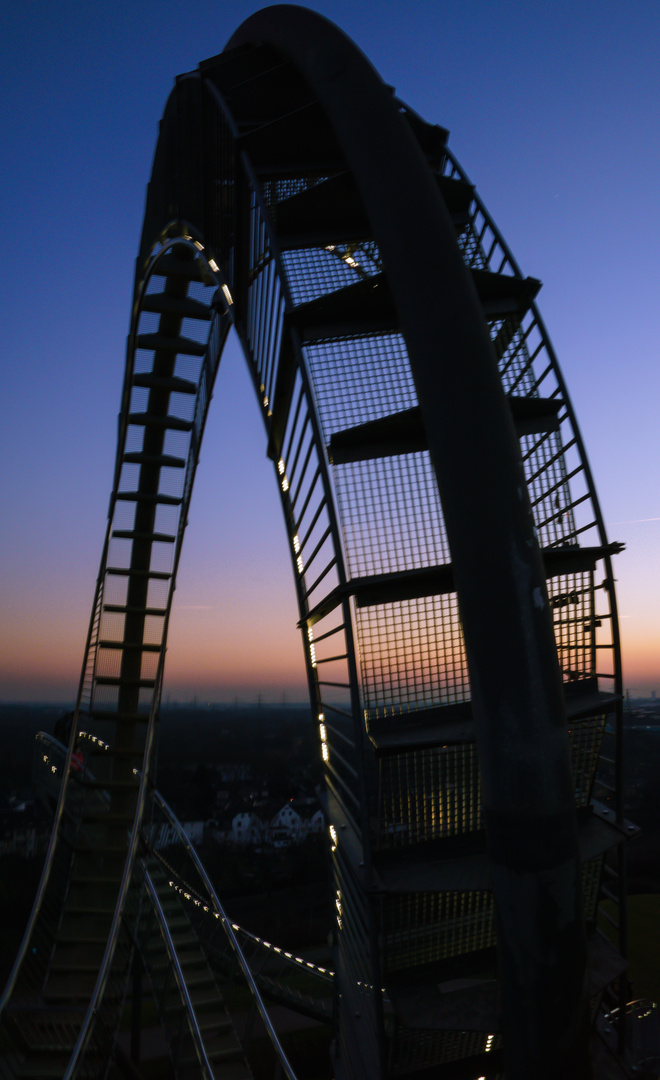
x: 427, y: 458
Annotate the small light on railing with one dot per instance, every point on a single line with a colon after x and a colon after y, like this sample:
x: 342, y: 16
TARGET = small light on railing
x: 214, y: 266
x: 228, y: 296
x: 200, y: 247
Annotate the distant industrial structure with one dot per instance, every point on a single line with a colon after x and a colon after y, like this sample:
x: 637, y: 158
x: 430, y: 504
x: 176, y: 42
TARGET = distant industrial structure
x: 455, y: 590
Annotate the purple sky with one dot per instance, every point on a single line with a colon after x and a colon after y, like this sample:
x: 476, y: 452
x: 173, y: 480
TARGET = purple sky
x: 553, y: 112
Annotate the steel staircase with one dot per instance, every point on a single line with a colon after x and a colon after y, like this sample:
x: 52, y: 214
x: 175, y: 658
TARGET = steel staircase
x: 185, y: 988
x: 286, y: 197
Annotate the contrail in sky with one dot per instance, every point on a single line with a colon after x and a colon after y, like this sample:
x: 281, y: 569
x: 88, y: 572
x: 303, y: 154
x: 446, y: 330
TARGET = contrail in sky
x: 637, y: 521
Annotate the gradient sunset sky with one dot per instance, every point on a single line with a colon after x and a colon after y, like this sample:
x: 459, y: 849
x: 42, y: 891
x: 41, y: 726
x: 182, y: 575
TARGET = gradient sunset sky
x: 552, y: 109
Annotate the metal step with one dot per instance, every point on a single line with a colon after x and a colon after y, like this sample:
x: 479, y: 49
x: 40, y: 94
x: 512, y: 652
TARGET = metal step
x: 161, y: 343
x: 162, y: 461
x: 432, y: 138
x: 173, y: 385
x: 171, y: 423
x: 122, y: 571
x: 332, y: 212
x: 149, y: 498
x: 130, y: 646
x: 118, y: 680
x: 367, y: 306
x: 300, y: 143
x: 403, y: 432
x: 131, y: 609
x: 235, y: 66
x: 439, y: 580
x: 266, y: 95
x: 444, y: 725
x: 173, y: 266
x: 327, y: 213
x: 153, y: 537
x: 164, y: 304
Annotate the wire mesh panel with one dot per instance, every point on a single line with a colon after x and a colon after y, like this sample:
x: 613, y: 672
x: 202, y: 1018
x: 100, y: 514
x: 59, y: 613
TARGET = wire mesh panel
x: 421, y: 928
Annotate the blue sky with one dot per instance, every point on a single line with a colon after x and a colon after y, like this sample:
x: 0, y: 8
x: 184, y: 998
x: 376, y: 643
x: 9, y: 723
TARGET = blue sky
x: 553, y: 112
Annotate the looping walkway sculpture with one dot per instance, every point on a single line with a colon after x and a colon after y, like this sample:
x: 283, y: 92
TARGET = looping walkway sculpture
x: 453, y: 576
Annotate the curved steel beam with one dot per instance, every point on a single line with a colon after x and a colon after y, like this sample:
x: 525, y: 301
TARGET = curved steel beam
x: 518, y: 705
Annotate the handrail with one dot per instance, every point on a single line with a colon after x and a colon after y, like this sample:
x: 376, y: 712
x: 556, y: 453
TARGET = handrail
x: 41, y: 891
x: 324, y: 974
x: 178, y: 974
x: 108, y: 956
x: 588, y: 477
x: 229, y: 931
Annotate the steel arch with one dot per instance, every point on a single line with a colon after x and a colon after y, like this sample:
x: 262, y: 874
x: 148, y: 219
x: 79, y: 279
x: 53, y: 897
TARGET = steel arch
x: 389, y: 353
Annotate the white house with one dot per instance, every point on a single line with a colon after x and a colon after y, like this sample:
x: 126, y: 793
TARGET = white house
x: 246, y: 828
x: 286, y: 826
x: 315, y: 824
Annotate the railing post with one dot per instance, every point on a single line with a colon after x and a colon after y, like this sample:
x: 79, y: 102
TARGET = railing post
x: 136, y: 1009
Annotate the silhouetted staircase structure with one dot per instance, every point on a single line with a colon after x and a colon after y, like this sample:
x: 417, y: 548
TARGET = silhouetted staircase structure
x: 295, y: 197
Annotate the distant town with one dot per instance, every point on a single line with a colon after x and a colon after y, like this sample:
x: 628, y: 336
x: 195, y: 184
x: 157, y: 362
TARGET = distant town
x: 243, y: 781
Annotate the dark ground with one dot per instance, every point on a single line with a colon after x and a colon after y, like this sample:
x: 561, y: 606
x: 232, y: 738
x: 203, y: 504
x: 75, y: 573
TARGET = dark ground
x: 282, y: 896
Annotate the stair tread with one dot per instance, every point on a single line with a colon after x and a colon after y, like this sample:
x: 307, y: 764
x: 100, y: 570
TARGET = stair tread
x: 437, y: 580
x: 175, y: 423
x: 447, y: 724
x: 367, y: 306
x: 159, y: 341
x: 185, y: 306
x: 176, y: 267
x: 299, y: 143
x: 332, y: 212
x: 403, y: 432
